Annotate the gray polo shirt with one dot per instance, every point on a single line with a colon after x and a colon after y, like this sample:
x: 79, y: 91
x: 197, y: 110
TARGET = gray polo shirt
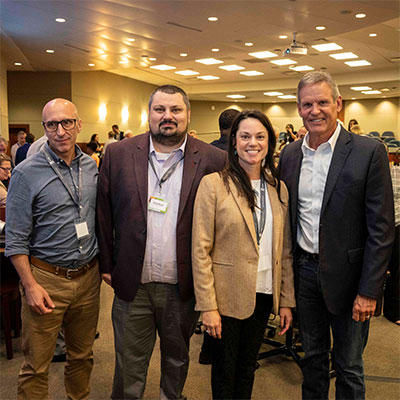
x: 41, y: 214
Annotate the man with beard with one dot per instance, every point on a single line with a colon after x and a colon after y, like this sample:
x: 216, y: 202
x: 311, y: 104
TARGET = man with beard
x: 146, y: 193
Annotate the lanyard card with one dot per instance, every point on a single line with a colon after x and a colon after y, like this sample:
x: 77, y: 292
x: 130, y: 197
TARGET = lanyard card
x: 81, y: 228
x: 158, y: 204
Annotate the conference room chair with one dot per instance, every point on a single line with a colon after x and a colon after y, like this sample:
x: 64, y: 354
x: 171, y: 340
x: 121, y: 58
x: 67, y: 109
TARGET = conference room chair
x: 374, y: 134
x: 388, y: 134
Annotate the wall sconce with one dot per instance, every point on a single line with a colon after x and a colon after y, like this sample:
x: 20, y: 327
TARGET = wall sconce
x: 143, y: 117
x: 102, y: 111
x: 125, y: 114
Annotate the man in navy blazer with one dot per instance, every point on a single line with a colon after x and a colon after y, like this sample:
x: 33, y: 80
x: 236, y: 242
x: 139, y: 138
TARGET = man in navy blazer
x: 147, y: 188
x: 342, y: 220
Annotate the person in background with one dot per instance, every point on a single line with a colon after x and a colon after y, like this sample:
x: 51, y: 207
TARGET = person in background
x: 5, y: 175
x: 225, y: 121
x: 21, y: 139
x: 128, y: 134
x: 352, y: 122
x: 23, y: 150
x: 146, y: 192
x: 301, y: 133
x: 342, y: 224
x: 3, y: 145
x: 50, y: 237
x: 91, y: 148
x: 36, y: 146
x: 237, y: 286
x: 111, y: 139
x: 290, y: 133
x: 357, y: 130
x: 119, y: 135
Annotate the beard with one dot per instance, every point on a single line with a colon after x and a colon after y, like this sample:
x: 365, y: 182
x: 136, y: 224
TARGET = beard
x: 168, y: 136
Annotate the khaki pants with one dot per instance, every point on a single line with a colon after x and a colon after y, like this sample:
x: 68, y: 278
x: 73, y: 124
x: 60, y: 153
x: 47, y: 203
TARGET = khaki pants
x: 77, y: 309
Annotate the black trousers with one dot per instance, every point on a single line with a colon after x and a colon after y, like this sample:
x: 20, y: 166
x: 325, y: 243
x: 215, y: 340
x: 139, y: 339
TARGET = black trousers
x: 235, y: 355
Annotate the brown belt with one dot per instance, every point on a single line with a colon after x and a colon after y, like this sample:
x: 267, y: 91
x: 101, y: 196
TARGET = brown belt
x: 69, y: 273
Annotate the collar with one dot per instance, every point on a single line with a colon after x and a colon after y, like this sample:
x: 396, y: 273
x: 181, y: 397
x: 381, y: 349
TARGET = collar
x: 331, y: 142
x: 152, y: 150
x: 54, y: 156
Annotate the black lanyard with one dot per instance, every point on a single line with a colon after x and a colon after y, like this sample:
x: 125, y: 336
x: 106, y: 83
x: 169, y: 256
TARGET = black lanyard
x: 167, y: 173
x: 53, y: 165
x: 260, y: 227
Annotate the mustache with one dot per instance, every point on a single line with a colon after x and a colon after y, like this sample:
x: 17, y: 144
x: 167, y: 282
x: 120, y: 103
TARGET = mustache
x: 167, y: 121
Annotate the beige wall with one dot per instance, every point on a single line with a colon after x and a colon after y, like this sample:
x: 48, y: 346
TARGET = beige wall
x: 3, y: 98
x: 28, y: 92
x: 90, y: 90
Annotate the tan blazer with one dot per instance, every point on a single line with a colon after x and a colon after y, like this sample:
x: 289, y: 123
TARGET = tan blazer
x: 225, y: 251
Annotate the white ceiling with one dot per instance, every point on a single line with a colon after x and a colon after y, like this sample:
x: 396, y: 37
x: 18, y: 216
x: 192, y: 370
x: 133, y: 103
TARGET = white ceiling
x: 97, y: 32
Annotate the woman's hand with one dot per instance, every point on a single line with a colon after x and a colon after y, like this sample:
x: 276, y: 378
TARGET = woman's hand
x: 212, y: 323
x: 285, y: 314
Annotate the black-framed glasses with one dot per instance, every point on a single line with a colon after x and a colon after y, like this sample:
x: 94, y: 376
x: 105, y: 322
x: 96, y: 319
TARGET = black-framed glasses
x: 6, y: 169
x: 52, y: 126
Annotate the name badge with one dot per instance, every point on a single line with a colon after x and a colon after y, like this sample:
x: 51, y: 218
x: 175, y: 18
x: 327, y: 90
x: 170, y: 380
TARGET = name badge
x: 81, y: 228
x: 158, y: 204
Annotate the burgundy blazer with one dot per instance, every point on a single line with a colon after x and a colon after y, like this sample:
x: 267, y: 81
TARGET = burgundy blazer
x: 122, y: 210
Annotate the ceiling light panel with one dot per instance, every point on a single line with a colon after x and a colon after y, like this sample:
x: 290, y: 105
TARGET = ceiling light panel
x: 372, y: 92
x: 213, y: 19
x: 327, y: 47
x: 284, y: 61
x: 343, y: 56
x: 187, y: 72
x: 373, y: 35
x: 248, y: 44
x: 320, y: 28
x: 263, y: 54
x: 209, y: 61
x: 163, y: 67
x: 287, y: 96
x: 236, y: 96
x: 301, y: 68
x: 360, y: 88
x: 207, y: 77
x: 232, y: 67
x: 361, y: 15
x: 273, y: 93
x: 251, y: 73
x: 358, y: 63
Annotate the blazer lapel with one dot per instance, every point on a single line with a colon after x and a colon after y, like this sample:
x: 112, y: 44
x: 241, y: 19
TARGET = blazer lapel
x: 244, y: 208
x: 141, y: 164
x: 190, y: 167
x: 342, y: 150
x: 276, y: 218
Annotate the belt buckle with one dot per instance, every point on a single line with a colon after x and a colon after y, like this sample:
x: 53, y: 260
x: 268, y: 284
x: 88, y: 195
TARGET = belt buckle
x: 68, y: 274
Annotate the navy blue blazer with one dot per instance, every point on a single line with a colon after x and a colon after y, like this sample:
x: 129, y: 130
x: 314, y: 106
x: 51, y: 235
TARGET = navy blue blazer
x: 356, y: 230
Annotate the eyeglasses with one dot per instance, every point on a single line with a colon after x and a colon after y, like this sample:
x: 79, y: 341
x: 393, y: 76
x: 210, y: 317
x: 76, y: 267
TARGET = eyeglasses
x: 52, y: 126
x: 6, y: 169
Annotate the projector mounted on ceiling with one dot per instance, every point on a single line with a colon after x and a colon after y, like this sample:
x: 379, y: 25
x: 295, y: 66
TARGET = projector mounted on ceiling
x: 295, y: 48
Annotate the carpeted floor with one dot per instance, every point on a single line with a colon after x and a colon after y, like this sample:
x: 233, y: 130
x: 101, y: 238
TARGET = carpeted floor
x: 277, y: 378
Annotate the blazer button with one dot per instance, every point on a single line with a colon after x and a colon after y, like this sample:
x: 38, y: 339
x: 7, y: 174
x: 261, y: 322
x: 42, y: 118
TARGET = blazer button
x: 140, y: 259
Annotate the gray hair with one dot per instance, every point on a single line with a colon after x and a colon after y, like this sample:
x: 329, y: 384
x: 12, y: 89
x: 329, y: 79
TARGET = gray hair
x: 314, y: 77
x: 170, y: 89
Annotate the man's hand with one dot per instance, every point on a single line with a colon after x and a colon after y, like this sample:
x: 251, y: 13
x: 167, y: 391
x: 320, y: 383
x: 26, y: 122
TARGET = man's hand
x: 285, y: 314
x: 106, y: 278
x: 38, y: 299
x: 212, y: 323
x: 363, y: 308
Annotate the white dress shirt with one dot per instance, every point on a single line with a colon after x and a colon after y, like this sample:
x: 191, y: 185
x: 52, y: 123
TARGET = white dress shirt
x: 160, y: 256
x: 314, y: 171
x: 264, y: 277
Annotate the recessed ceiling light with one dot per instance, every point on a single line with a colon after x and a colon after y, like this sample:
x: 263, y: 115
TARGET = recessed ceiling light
x: 343, y: 56
x: 373, y: 35
x: 232, y: 67
x: 207, y: 77
x: 248, y: 44
x: 236, y: 96
x: 372, y: 92
x: 361, y: 15
x: 353, y: 98
x: 360, y: 88
x: 282, y: 36
x: 284, y: 61
x: 130, y: 39
x: 301, y: 68
x: 327, y: 47
x: 152, y: 59
x: 209, y: 61
x: 385, y: 90
x: 215, y: 50
x: 273, y: 93
x: 163, y: 67
x: 18, y: 64
x: 91, y: 65
x: 320, y: 28
x: 287, y: 96
x: 61, y: 20
x: 251, y: 73
x: 358, y: 63
x: 263, y: 54
x: 213, y: 19
x: 187, y: 72
x: 50, y: 51
x: 183, y: 54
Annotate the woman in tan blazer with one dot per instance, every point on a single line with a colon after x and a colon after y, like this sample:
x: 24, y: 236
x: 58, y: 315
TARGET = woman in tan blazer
x: 242, y: 262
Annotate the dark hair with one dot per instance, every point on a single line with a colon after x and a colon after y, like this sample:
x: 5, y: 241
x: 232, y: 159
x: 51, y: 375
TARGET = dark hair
x: 352, y: 120
x: 93, y: 137
x: 30, y: 138
x: 290, y: 126
x: 233, y: 168
x: 92, y: 146
x: 170, y: 89
x: 115, y: 126
x: 226, y: 118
